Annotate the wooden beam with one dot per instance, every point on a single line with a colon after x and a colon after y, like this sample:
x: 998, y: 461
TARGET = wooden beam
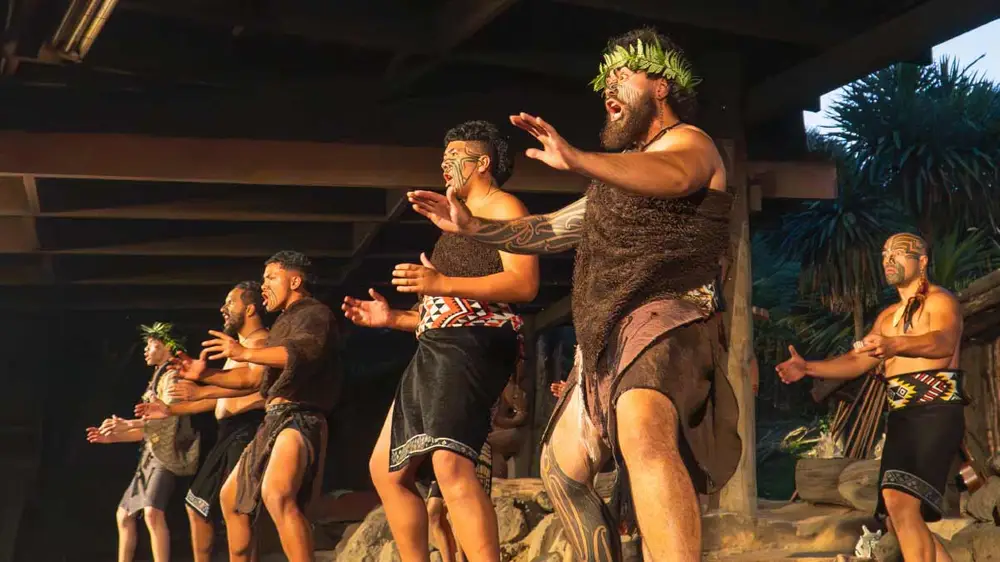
x: 202, y: 210
x: 197, y: 160
x: 453, y: 23
x: 775, y: 25
x: 794, y: 180
x: 228, y: 245
x: 559, y: 312
x: 395, y: 204
x: 929, y: 23
x: 342, y: 27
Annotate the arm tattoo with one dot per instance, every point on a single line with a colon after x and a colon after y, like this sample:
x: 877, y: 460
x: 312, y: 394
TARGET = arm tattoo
x: 535, y: 234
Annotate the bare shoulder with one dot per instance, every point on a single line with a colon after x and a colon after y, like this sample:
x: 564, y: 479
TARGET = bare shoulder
x: 503, y: 206
x: 940, y: 298
x: 685, y: 137
x: 257, y: 341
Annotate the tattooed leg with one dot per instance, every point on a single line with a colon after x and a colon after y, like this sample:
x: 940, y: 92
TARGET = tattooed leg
x: 570, y: 458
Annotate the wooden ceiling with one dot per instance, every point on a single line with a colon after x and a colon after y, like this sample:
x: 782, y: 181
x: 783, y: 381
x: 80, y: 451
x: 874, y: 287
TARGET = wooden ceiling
x: 95, y: 222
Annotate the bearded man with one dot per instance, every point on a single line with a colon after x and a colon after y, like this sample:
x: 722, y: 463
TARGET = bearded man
x: 647, y: 388
x: 298, y: 373
x: 238, y: 414
x: 915, y: 344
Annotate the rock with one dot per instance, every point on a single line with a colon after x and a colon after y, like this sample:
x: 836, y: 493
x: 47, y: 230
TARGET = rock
x: 513, y: 526
x: 512, y: 552
x: 389, y: 553
x: 983, y: 504
x: 981, y: 539
x: 543, y: 501
x: 887, y: 550
x: 436, y: 557
x: 548, y: 539
x: 346, y: 536
x: 816, y: 480
x: 365, y: 544
x: 858, y: 484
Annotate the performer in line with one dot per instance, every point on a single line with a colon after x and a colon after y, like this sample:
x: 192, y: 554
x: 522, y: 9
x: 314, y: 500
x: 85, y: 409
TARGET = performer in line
x: 299, y: 375
x: 647, y: 387
x: 169, y: 450
x: 914, y: 346
x: 238, y: 416
x: 467, y: 349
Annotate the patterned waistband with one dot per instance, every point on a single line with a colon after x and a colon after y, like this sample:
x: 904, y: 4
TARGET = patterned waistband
x: 454, y: 312
x: 925, y: 387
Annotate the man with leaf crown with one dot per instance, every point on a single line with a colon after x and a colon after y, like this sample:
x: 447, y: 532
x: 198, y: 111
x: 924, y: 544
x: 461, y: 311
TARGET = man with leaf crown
x: 914, y: 346
x: 170, y: 449
x: 647, y: 389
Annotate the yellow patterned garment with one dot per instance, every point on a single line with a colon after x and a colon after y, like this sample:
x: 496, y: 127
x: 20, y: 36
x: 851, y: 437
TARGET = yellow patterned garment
x: 925, y: 387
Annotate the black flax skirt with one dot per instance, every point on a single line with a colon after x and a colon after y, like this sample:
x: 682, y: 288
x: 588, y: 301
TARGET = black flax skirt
x: 445, y: 396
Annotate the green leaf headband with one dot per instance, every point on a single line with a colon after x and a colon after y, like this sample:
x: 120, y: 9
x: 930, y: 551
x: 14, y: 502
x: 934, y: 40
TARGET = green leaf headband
x: 162, y: 331
x: 649, y: 58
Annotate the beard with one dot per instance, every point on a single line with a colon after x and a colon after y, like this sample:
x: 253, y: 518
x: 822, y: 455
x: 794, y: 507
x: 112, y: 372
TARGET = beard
x: 895, y: 277
x: 233, y: 326
x: 629, y: 129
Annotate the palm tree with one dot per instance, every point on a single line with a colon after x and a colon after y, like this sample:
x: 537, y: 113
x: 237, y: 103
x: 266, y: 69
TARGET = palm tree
x: 837, y: 241
x: 929, y: 137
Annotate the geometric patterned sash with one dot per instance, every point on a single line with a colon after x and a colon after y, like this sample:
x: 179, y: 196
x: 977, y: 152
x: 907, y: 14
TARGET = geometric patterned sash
x: 455, y: 312
x: 925, y: 387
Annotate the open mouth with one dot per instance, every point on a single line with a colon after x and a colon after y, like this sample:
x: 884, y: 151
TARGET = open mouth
x: 615, y: 109
x: 447, y: 178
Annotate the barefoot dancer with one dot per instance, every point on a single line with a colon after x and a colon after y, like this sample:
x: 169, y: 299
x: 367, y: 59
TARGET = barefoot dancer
x: 238, y: 416
x: 916, y: 343
x: 467, y: 349
x: 647, y: 387
x: 298, y: 374
x: 170, y: 448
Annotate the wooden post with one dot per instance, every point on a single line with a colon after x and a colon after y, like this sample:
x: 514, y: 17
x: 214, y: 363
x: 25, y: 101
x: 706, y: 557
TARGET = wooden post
x: 740, y: 494
x: 720, y: 97
x: 524, y: 459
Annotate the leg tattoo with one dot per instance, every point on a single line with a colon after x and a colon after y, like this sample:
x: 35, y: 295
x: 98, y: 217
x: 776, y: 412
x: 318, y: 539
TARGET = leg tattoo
x: 588, y: 524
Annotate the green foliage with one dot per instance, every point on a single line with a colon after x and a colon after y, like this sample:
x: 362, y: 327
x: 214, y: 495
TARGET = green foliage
x: 646, y: 57
x: 163, y: 331
x: 927, y: 137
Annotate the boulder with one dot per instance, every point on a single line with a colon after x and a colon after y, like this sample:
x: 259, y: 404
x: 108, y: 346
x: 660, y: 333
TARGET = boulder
x: 984, y: 503
x: 512, y: 523
x: 366, y: 543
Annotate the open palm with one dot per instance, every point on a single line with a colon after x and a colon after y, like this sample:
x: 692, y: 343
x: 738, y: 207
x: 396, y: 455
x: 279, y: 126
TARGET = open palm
x: 556, y: 152
x: 370, y: 314
x: 447, y: 211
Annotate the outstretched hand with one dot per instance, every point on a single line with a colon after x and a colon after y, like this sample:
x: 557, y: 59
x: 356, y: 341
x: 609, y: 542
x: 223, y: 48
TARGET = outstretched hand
x: 375, y: 313
x: 422, y: 279
x: 447, y: 211
x: 94, y: 435
x: 793, y: 369
x: 556, y: 152
x: 223, y: 346
x: 155, y: 410
x: 188, y: 368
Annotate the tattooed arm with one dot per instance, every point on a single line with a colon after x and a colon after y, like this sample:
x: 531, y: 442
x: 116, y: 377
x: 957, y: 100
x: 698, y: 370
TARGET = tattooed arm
x: 534, y: 234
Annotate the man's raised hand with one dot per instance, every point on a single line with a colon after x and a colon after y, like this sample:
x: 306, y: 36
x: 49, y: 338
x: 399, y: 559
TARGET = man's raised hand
x: 793, y: 369
x: 370, y: 314
x: 447, y: 211
x: 188, y: 368
x: 556, y: 152
x: 155, y: 410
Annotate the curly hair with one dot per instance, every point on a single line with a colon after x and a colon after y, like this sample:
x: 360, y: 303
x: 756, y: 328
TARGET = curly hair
x: 294, y: 261
x: 683, y: 102
x: 250, y: 293
x: 501, y: 161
